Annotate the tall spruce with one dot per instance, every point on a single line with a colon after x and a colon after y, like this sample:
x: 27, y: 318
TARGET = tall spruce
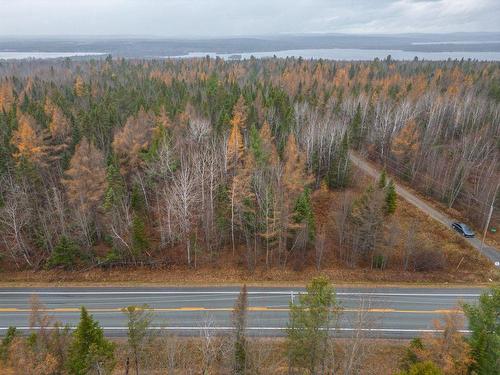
x: 89, y: 351
x: 355, y: 129
x: 390, y: 198
x: 484, y: 322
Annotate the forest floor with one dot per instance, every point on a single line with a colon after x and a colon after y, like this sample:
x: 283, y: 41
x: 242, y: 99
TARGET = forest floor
x: 464, y: 265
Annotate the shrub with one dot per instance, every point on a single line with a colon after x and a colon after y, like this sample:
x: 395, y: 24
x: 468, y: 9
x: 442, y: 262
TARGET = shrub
x: 64, y: 255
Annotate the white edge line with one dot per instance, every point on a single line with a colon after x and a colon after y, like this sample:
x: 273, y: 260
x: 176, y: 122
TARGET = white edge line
x: 48, y: 293
x: 182, y: 328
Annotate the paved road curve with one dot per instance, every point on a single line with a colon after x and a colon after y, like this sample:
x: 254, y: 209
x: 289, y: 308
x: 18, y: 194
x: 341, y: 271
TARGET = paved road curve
x: 386, y: 312
x: 490, y: 252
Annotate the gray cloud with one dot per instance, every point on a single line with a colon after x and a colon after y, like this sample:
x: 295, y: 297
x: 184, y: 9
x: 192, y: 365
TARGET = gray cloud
x: 176, y: 18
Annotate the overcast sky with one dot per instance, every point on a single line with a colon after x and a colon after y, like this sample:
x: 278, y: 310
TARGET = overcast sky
x: 177, y: 18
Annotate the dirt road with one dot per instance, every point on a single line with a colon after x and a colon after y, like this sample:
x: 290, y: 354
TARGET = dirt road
x: 488, y: 251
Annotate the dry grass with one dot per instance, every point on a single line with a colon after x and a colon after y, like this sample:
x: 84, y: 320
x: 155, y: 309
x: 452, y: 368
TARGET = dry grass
x: 214, y: 276
x: 382, y: 357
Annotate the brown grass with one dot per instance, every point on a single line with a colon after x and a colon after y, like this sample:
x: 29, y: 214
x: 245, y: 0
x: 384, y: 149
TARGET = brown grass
x: 382, y: 357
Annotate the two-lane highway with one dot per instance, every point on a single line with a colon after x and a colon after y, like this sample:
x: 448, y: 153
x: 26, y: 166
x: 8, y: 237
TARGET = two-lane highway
x: 385, y: 312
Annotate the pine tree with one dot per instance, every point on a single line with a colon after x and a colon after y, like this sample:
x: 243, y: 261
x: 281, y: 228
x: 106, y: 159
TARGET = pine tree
x: 485, y: 337
x: 303, y: 214
x: 310, y: 320
x: 382, y: 181
x: 140, y: 241
x: 240, y: 366
x: 89, y: 350
x: 355, y: 129
x: 390, y: 198
x: 64, y: 254
x: 115, y: 186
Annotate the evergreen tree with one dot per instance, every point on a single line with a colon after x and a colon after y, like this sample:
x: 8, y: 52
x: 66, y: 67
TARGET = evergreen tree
x: 303, y: 214
x: 89, y: 350
x: 64, y: 255
x: 484, y: 322
x: 310, y: 322
x: 137, y: 199
x: 140, y: 241
x: 390, y: 198
x: 115, y: 186
x: 382, y: 180
x: 355, y: 129
x: 339, y: 171
x: 6, y: 341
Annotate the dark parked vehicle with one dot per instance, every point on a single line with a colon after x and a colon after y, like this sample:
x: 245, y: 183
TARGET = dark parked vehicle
x: 463, y: 229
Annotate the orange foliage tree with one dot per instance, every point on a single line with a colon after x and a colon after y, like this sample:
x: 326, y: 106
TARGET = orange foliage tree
x: 133, y: 139
x: 85, y: 180
x: 6, y: 96
x: 28, y: 142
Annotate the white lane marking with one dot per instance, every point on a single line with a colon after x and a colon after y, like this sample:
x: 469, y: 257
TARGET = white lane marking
x: 383, y: 294
x: 212, y: 328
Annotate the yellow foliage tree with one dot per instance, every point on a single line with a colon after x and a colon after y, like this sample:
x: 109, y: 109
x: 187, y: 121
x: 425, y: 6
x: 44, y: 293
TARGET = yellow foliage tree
x: 85, y: 180
x: 268, y: 147
x: 449, y: 351
x: 132, y: 139
x: 295, y: 177
x: 80, y: 88
x: 407, y: 142
x: 6, y: 96
x: 28, y: 142
x: 59, y: 126
x: 235, y: 145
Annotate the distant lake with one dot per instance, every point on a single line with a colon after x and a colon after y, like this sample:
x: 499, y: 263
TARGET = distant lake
x: 352, y: 54
x: 43, y: 55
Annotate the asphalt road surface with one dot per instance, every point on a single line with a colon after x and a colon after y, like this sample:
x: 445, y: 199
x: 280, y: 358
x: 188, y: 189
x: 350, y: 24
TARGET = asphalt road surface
x: 490, y: 252
x: 377, y: 312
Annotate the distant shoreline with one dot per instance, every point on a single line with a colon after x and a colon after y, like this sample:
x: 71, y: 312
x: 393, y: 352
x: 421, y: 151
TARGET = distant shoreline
x: 350, y: 54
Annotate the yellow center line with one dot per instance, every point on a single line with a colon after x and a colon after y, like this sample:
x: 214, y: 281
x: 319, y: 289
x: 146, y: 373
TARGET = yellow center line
x: 251, y: 309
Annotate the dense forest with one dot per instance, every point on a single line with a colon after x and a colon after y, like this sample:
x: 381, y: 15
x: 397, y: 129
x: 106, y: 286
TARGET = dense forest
x: 161, y: 162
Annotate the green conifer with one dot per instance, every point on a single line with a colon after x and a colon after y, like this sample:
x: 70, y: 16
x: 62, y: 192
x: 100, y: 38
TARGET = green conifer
x: 89, y: 350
